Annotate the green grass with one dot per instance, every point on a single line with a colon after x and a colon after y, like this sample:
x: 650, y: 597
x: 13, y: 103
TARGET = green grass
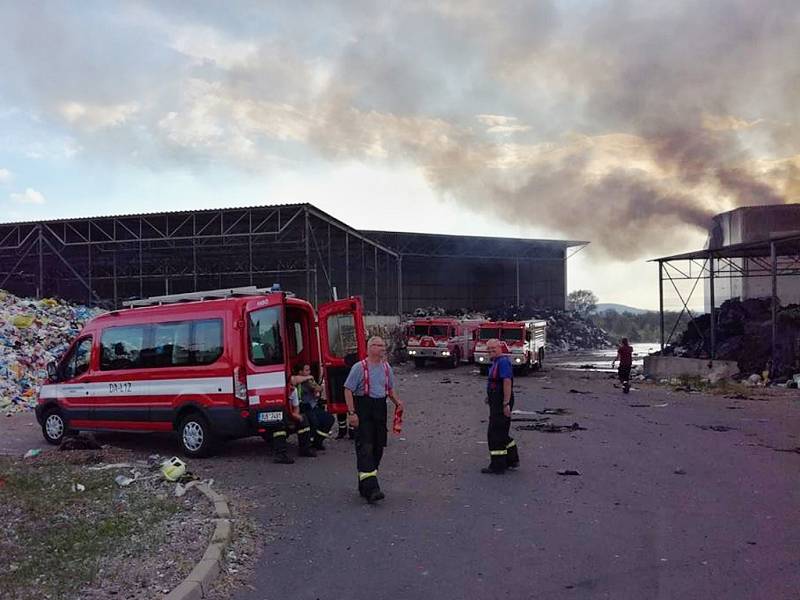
x: 55, y: 538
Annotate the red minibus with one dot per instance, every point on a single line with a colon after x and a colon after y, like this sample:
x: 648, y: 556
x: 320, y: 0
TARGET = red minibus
x: 208, y: 365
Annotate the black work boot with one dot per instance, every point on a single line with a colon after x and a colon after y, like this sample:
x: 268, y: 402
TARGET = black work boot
x: 308, y: 452
x: 492, y: 471
x: 283, y: 459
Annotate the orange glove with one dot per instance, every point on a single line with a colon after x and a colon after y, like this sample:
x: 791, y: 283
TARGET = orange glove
x: 397, y: 425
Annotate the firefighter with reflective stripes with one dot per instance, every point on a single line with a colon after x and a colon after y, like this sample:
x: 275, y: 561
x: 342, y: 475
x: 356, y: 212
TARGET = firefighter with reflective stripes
x: 366, y: 390
x: 500, y: 397
x: 293, y: 420
x: 309, y: 392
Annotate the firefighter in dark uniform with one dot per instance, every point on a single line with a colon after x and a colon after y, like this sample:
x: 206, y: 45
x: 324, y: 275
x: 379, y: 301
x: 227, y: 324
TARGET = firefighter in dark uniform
x: 293, y: 420
x: 368, y: 386
x: 503, y: 451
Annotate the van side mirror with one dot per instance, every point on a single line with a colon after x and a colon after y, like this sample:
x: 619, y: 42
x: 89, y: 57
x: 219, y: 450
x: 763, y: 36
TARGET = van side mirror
x: 52, y: 371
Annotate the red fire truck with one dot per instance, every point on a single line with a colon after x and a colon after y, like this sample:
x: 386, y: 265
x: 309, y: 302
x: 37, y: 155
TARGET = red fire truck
x: 523, y: 343
x: 447, y: 340
x: 209, y: 365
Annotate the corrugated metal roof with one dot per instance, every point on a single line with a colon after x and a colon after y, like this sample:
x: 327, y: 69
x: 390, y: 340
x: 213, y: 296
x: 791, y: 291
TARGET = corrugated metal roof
x: 364, y: 232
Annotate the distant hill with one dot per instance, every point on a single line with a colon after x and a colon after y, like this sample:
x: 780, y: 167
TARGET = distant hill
x: 620, y: 308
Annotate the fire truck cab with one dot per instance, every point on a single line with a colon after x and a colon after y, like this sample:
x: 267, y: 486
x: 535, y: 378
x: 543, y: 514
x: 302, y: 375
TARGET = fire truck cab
x: 208, y: 365
x: 445, y: 340
x: 523, y: 342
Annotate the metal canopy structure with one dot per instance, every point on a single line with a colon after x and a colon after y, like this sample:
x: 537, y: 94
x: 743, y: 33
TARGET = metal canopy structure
x: 105, y: 260
x: 112, y: 260
x: 771, y: 258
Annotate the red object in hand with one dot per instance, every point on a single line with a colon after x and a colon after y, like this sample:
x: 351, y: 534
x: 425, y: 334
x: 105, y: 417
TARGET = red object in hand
x: 397, y: 425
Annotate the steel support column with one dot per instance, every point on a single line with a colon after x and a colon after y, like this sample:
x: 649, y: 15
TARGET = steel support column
x: 308, y: 254
x: 773, y: 252
x: 376, y: 280
x: 661, y: 300
x: 347, y: 263
x: 712, y: 297
x: 400, y: 284
x: 516, y: 265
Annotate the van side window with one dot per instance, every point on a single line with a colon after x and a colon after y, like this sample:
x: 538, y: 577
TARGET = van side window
x: 298, y: 338
x: 177, y: 344
x: 78, y: 362
x: 206, y: 342
x: 122, y: 347
x: 170, y: 345
x: 266, y: 347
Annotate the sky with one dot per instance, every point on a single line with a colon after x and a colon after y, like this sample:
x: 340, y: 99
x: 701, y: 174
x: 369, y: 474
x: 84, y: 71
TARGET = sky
x: 626, y: 124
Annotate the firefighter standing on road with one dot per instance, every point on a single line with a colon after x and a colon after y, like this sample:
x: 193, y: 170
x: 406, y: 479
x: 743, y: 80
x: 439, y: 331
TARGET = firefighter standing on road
x: 500, y: 397
x: 369, y: 384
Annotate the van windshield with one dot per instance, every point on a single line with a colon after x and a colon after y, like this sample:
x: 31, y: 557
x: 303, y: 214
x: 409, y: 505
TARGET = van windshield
x: 511, y: 335
x: 488, y: 334
x: 439, y: 330
x: 420, y: 330
x: 264, y: 330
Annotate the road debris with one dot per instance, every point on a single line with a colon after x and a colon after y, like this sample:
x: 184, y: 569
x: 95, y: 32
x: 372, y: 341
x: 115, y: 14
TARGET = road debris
x: 78, y: 487
x: 568, y: 472
x: 173, y: 469
x: 679, y: 472
x: 123, y: 481
x: 550, y: 427
x: 79, y: 442
x: 553, y: 411
x: 33, y: 453
x: 579, y: 392
x: 720, y: 428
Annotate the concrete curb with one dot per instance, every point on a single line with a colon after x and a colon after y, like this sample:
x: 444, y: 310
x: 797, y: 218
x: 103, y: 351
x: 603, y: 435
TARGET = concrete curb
x: 198, y: 582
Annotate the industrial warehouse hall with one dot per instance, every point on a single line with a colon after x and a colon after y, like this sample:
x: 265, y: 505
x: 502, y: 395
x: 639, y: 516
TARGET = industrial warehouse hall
x: 105, y: 261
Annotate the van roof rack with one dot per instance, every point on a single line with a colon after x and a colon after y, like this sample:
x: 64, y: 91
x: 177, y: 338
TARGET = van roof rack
x: 198, y: 296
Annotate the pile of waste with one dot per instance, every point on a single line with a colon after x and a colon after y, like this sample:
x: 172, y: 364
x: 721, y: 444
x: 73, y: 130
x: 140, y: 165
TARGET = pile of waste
x: 566, y: 330
x: 395, y: 338
x: 33, y: 333
x: 438, y: 311
x: 744, y: 335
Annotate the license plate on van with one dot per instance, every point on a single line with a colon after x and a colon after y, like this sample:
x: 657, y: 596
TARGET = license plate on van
x: 270, y: 417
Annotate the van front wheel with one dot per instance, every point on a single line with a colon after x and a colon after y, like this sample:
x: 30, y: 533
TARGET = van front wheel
x: 195, y: 436
x: 54, y: 428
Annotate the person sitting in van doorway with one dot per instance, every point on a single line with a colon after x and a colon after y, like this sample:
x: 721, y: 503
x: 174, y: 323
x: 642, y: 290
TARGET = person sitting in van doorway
x: 310, y: 394
x: 368, y: 386
x: 293, y: 419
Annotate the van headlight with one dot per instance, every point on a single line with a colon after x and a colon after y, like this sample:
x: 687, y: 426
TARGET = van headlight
x: 480, y: 359
x: 412, y: 352
x: 445, y: 353
x: 517, y: 360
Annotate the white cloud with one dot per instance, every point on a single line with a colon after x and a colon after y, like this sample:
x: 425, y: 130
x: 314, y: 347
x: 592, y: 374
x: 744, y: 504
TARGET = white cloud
x: 5, y: 175
x: 501, y: 124
x: 97, y: 116
x: 29, y: 196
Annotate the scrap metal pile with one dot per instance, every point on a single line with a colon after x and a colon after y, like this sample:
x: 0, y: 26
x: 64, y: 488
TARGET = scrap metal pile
x: 744, y: 335
x: 33, y: 333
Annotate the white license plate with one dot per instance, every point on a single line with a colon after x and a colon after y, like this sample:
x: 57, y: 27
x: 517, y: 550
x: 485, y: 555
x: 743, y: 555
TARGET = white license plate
x: 270, y: 417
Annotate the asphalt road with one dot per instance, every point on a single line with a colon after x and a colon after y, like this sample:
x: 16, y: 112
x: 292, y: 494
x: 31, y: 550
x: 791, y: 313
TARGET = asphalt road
x: 627, y: 527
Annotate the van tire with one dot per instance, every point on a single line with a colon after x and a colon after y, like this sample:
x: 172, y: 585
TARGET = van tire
x: 484, y: 370
x: 195, y: 436
x: 54, y: 427
x: 419, y: 363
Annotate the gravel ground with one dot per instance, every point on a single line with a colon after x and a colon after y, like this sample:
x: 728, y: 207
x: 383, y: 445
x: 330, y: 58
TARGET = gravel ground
x: 681, y: 494
x: 102, y: 541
